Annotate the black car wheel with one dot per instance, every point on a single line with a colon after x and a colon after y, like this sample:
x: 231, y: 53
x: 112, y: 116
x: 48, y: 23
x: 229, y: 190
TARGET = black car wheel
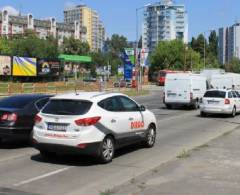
x: 151, y: 137
x: 169, y: 106
x: 203, y: 114
x: 107, y: 150
x: 233, y: 112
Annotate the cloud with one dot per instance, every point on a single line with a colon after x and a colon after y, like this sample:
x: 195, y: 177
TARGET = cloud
x: 11, y: 10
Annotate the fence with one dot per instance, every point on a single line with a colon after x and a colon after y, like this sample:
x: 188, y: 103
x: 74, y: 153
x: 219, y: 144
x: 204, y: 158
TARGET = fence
x: 7, y: 89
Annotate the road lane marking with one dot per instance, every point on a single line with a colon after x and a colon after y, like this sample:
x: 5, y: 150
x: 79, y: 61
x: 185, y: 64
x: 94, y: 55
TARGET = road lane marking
x: 41, y: 176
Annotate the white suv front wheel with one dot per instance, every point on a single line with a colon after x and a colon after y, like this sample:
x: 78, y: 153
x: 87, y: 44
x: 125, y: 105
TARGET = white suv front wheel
x: 151, y: 137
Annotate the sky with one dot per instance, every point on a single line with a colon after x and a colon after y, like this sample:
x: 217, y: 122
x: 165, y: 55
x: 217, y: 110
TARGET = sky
x: 119, y: 16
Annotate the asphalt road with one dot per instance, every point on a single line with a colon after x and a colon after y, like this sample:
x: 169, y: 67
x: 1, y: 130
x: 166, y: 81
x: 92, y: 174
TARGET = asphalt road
x: 22, y: 171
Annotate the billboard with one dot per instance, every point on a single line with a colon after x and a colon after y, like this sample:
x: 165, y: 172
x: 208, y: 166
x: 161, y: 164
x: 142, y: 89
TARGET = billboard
x: 46, y: 67
x: 23, y: 66
x: 144, y: 57
x: 131, y: 54
x: 5, y: 65
x: 128, y: 66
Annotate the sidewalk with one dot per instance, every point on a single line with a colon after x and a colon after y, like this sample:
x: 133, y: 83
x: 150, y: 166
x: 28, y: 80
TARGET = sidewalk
x: 213, y: 168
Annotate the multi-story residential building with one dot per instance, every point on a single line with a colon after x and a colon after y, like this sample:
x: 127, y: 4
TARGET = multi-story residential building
x: 229, y: 43
x: 88, y: 18
x: 12, y: 25
x: 164, y: 21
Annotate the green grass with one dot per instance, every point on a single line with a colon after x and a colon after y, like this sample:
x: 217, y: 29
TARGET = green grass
x: 134, y: 92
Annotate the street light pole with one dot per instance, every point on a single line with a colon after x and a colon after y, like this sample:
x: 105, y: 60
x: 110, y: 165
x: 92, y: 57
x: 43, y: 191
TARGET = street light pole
x: 136, y: 50
x: 204, y: 51
x: 138, y: 65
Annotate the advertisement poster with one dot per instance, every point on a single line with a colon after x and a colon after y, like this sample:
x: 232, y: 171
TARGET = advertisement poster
x: 131, y: 54
x: 5, y: 65
x: 48, y: 67
x: 23, y: 66
x: 128, y: 67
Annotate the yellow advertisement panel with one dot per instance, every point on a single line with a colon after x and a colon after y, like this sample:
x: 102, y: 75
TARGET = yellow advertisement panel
x: 23, y: 66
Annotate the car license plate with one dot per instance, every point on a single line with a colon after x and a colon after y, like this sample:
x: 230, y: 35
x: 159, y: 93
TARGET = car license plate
x: 57, y: 127
x: 171, y: 94
x: 213, y: 102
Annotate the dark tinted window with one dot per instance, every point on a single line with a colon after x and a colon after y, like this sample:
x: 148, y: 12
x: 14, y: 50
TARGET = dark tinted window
x: 128, y: 104
x: 111, y: 104
x: 215, y: 94
x: 41, y: 103
x: 234, y: 94
x: 15, y: 102
x: 67, y: 107
x: 230, y: 95
x: 238, y: 95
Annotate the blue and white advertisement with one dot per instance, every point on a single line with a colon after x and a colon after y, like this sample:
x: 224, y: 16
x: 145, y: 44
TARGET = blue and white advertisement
x: 128, y: 67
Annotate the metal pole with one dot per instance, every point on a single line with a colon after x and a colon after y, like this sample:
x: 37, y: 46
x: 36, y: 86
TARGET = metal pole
x: 136, y: 50
x: 204, y: 50
x: 157, y: 28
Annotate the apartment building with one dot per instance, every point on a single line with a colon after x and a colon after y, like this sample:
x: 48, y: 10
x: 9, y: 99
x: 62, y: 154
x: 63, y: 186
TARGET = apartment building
x: 89, y: 19
x: 12, y: 25
x: 229, y: 43
x: 164, y: 21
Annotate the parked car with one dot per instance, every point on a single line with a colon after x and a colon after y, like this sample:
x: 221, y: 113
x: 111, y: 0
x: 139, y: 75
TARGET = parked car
x: 184, y: 89
x: 17, y: 115
x: 90, y: 79
x: 220, y: 102
x: 92, y: 123
x: 123, y: 83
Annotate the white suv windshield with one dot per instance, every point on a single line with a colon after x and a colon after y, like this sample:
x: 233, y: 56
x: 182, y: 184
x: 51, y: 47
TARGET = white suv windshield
x: 67, y: 107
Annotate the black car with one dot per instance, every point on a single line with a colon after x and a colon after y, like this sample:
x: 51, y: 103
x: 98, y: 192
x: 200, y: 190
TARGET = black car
x: 17, y: 115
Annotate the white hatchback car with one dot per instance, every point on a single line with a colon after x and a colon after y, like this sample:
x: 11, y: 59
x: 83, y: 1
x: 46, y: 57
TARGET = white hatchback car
x: 223, y: 101
x: 92, y: 123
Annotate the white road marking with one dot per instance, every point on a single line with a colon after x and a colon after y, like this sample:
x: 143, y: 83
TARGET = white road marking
x: 41, y: 176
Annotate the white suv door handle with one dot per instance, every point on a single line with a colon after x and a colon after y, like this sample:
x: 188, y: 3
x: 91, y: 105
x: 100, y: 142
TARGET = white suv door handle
x: 131, y: 119
x: 113, y: 121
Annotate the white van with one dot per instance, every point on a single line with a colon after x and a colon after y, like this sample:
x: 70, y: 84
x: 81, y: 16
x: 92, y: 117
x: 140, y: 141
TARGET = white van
x: 226, y: 81
x: 184, y: 89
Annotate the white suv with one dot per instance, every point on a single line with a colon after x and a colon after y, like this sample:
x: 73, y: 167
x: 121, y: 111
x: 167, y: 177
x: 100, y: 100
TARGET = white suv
x: 92, y: 123
x: 217, y: 101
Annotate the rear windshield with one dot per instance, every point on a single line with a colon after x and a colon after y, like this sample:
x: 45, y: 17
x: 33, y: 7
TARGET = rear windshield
x: 67, y: 107
x: 215, y: 94
x: 15, y: 102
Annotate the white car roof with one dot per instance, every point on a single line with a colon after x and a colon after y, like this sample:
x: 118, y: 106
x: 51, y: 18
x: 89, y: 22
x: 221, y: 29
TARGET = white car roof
x: 90, y: 96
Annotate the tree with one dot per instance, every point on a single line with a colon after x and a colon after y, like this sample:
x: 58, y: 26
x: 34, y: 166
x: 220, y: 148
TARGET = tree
x: 116, y: 44
x: 72, y: 46
x: 213, y: 43
x: 5, y: 46
x: 193, y: 60
x: 233, y: 65
x: 51, y: 47
x: 114, y: 48
x: 168, y: 54
x: 99, y: 59
x: 32, y: 46
x: 198, y: 44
